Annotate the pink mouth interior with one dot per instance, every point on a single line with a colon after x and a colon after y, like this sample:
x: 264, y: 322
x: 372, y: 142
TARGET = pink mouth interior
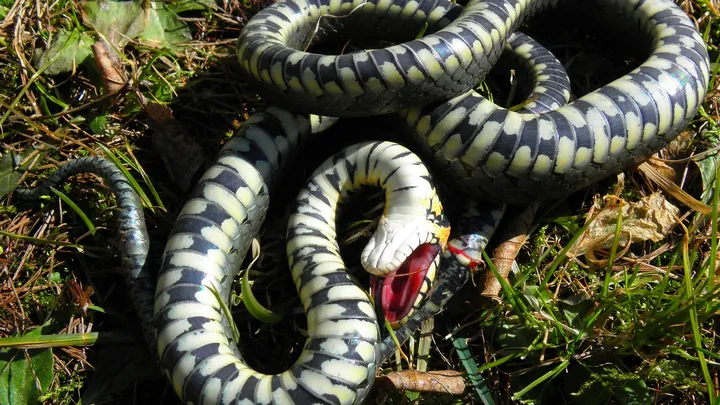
x: 397, y: 292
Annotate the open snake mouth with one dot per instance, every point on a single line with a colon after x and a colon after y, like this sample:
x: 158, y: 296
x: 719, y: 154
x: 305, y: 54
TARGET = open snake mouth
x: 397, y: 292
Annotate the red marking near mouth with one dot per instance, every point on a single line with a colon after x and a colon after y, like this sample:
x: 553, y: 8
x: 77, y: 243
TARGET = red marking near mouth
x: 398, y: 291
x: 460, y: 252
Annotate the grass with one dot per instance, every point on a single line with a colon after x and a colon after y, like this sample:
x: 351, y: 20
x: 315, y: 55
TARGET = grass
x: 625, y: 326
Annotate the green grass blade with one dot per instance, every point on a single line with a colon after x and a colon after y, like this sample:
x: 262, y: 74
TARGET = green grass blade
x: 697, y: 336
x: 226, y: 311
x: 481, y: 389
x: 613, y: 252
x: 64, y: 340
x: 256, y: 309
x: 516, y: 301
x: 88, y: 223
x: 550, y: 374
x: 714, y: 230
x: 138, y: 168
x: 50, y: 97
x: 563, y: 253
x: 135, y: 185
x: 30, y: 82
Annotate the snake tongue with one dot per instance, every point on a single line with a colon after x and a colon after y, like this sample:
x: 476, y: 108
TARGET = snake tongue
x: 397, y: 292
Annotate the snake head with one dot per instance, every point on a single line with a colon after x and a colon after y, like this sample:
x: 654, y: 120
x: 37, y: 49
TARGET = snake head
x: 395, y: 240
x: 468, y: 249
x: 402, y: 256
x: 399, y: 293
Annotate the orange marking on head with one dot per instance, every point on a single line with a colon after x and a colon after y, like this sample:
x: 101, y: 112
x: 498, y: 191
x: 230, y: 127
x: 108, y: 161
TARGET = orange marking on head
x: 443, y: 234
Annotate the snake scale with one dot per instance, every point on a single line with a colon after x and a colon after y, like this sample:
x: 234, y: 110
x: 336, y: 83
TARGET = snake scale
x: 485, y: 150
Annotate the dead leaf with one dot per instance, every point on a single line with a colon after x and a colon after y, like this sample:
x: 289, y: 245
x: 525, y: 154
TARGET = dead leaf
x: 110, y: 66
x: 180, y: 153
x: 658, y: 172
x: 662, y: 168
x: 652, y: 218
x: 512, y: 239
x: 441, y: 381
x: 680, y: 145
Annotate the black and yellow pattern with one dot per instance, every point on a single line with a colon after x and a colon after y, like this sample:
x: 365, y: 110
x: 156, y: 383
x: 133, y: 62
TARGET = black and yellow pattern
x: 464, y: 45
x: 547, y: 149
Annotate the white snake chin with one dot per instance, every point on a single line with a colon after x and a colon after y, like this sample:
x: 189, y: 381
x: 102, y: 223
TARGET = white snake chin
x: 392, y: 243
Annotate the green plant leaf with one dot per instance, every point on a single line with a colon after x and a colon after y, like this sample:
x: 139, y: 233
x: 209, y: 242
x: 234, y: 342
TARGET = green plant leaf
x: 633, y: 393
x: 97, y: 125
x: 575, y: 308
x: 567, y: 222
x: 597, y: 385
x: 585, y: 387
x: 509, y: 335
x: 181, y: 6
x: 256, y: 309
x: 67, y: 50
x: 54, y: 277
x: 4, y: 10
x: 86, y: 220
x: 25, y: 375
x: 156, y: 25
x: 12, y: 166
x: 162, y: 27
x: 708, y: 169
x: 412, y: 395
x: 118, y: 21
x: 9, y: 177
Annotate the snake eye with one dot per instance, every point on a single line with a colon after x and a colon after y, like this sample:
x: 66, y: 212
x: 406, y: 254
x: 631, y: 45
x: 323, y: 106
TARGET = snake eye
x: 397, y: 292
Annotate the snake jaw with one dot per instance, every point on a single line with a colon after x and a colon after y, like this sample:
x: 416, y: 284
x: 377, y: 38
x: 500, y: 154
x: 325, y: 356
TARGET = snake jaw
x: 390, y: 245
x: 394, y: 241
x: 397, y: 293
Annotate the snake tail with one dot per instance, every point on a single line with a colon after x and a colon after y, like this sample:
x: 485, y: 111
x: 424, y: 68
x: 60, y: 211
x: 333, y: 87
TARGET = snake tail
x: 132, y: 231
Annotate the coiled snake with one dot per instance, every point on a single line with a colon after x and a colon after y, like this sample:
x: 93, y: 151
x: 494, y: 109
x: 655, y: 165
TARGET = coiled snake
x: 487, y: 151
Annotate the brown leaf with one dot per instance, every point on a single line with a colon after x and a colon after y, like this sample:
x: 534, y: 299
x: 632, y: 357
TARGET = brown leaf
x: 681, y: 145
x: 180, y: 153
x: 658, y: 173
x: 441, y: 381
x: 652, y: 218
x: 110, y: 66
x: 513, y: 237
x: 662, y: 168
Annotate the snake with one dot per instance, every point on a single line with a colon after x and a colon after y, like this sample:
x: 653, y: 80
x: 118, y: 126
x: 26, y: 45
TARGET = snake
x: 253, y: 158
x: 215, y: 227
x: 487, y: 151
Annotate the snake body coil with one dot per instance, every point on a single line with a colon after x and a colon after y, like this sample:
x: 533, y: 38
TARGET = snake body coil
x: 464, y: 45
x: 490, y: 152
x: 338, y: 362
